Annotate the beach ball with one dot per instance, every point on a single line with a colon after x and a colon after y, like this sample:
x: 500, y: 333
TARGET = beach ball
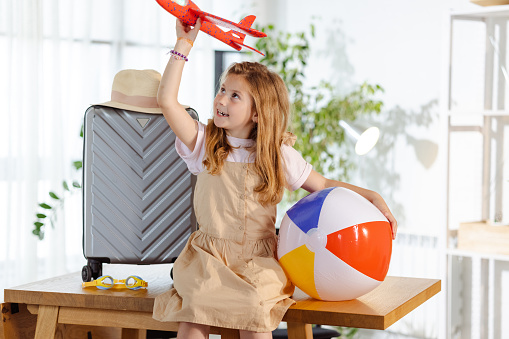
x: 335, y: 245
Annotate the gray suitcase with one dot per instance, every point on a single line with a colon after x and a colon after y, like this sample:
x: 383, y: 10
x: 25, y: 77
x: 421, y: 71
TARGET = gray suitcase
x: 137, y: 191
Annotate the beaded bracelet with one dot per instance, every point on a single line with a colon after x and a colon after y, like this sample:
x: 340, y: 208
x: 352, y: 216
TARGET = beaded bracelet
x: 189, y: 41
x: 177, y: 55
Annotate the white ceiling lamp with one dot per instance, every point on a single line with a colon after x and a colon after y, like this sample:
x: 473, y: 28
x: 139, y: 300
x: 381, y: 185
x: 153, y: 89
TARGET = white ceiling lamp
x: 364, y: 139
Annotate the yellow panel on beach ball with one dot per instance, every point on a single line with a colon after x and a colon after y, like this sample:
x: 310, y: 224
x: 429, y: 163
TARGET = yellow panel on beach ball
x: 299, y: 265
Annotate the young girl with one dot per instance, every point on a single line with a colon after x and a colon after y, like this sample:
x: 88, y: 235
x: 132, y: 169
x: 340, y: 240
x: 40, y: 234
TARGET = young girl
x: 228, y: 275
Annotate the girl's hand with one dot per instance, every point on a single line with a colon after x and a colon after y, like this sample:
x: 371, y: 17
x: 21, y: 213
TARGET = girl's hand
x: 186, y: 31
x: 379, y: 202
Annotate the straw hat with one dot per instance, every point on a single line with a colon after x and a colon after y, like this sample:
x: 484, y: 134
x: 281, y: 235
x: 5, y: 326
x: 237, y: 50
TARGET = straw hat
x: 135, y: 90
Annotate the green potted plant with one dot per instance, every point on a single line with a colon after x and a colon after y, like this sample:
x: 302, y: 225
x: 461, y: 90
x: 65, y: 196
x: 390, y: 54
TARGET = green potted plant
x: 317, y: 110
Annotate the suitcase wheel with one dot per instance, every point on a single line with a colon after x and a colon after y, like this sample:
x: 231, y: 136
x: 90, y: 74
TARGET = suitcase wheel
x: 93, y: 269
x: 86, y: 273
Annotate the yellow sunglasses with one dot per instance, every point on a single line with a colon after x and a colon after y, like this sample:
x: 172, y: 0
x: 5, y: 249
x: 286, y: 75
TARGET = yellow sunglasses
x: 106, y: 282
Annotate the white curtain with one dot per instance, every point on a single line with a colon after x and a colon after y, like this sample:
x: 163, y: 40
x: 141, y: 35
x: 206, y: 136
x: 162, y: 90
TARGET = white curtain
x: 56, y: 58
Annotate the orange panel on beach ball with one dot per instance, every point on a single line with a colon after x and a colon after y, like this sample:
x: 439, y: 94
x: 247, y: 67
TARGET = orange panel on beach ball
x: 366, y: 247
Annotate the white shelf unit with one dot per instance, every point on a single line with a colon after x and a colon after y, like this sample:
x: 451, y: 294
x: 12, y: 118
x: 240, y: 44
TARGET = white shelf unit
x: 474, y: 281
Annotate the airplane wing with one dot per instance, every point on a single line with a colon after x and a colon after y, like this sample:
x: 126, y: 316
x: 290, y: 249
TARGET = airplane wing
x: 216, y: 20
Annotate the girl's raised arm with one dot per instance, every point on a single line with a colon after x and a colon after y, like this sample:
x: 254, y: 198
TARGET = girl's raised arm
x: 184, y: 127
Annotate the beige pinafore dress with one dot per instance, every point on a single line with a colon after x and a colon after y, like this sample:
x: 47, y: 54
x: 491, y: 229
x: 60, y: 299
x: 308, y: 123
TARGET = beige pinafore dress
x: 227, y: 275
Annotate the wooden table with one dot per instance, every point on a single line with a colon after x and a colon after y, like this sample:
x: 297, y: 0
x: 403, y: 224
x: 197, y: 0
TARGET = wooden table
x: 62, y: 300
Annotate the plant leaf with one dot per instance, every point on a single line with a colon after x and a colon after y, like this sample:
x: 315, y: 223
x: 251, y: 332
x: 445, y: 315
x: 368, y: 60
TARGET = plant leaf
x: 41, y: 216
x: 54, y: 196
x: 76, y: 184
x: 66, y: 187
x: 45, y: 206
x: 38, y: 224
x: 78, y: 164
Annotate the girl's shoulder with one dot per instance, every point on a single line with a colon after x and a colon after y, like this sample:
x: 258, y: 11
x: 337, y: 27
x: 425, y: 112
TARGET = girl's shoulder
x: 193, y: 158
x: 297, y: 169
x: 290, y: 154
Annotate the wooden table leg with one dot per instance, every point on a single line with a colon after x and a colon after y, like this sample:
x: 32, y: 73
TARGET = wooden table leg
x: 299, y: 331
x: 46, y: 322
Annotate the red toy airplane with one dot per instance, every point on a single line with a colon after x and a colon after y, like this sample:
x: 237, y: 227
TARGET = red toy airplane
x: 187, y: 12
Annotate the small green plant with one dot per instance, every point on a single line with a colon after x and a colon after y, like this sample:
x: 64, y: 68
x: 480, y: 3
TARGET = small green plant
x: 48, y: 212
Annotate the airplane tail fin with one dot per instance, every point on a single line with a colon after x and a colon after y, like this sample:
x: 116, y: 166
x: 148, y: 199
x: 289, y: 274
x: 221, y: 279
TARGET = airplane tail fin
x: 247, y: 21
x: 237, y: 38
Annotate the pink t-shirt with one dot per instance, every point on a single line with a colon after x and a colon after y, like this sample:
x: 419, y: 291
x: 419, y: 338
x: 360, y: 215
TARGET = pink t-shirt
x: 297, y: 169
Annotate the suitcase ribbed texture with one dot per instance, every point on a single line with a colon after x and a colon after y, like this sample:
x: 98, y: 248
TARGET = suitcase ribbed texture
x: 138, y: 192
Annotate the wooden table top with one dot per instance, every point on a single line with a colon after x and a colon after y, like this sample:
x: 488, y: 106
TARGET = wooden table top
x: 379, y: 309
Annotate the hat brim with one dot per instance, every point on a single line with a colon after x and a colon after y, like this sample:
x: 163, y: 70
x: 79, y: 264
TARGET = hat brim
x: 114, y: 104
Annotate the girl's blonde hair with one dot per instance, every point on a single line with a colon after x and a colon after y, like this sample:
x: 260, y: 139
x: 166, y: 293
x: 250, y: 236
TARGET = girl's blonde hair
x: 271, y: 104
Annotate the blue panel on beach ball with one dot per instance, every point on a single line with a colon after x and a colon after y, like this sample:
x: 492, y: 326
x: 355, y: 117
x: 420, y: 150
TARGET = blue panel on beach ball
x: 306, y: 212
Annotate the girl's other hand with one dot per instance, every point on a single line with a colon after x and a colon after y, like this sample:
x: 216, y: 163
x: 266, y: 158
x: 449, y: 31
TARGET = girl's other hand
x: 379, y: 202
